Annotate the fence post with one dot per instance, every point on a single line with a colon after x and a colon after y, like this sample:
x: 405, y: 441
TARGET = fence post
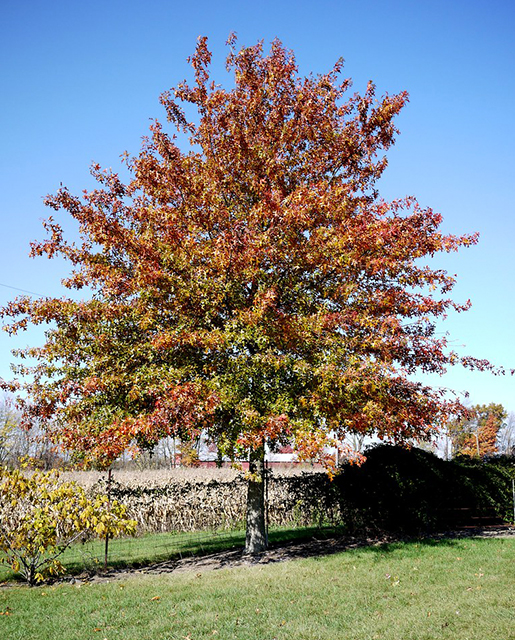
x: 267, y: 471
x: 106, y: 551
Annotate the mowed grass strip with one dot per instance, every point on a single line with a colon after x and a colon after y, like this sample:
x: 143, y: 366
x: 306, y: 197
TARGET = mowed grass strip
x: 460, y: 589
x: 139, y: 551
x: 159, y: 547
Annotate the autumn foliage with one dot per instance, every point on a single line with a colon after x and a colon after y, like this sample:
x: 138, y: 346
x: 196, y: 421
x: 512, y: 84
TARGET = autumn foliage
x: 41, y: 516
x: 476, y: 433
x: 247, y: 280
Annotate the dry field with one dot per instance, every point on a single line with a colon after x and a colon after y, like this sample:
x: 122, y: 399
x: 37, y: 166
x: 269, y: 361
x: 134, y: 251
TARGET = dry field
x: 152, y: 477
x: 186, y: 499
x: 161, y: 477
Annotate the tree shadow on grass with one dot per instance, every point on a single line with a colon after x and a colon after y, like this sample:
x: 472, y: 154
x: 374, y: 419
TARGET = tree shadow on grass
x: 285, y: 545
x: 317, y: 544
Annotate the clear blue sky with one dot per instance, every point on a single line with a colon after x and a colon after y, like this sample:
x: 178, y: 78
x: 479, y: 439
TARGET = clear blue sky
x: 80, y: 81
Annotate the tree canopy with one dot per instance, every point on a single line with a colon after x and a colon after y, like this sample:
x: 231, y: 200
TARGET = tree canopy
x: 249, y: 282
x: 476, y: 433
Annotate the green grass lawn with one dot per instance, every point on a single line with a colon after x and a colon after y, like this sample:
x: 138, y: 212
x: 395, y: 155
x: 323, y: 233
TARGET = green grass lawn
x: 459, y: 589
x: 158, y: 547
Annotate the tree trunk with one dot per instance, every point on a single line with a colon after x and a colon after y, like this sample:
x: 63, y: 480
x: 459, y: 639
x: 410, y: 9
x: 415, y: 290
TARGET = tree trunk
x: 256, y: 539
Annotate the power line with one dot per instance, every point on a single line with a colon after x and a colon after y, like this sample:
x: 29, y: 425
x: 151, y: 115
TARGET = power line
x: 22, y: 290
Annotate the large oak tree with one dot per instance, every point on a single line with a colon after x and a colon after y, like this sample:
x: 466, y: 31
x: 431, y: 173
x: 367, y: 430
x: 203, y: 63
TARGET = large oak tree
x: 249, y: 283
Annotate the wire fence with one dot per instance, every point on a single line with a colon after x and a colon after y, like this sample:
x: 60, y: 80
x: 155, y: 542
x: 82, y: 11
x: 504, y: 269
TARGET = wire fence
x: 410, y: 492
x: 149, y: 549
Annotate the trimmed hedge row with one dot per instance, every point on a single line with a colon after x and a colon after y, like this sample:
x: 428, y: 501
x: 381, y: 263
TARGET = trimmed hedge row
x: 401, y: 490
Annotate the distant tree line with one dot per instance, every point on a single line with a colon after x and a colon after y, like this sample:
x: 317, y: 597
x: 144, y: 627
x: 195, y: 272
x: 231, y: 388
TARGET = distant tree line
x: 485, y: 431
x: 24, y: 446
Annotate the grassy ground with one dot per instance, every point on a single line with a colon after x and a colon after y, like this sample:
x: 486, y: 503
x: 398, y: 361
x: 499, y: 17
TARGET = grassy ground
x: 459, y: 589
x: 158, y: 547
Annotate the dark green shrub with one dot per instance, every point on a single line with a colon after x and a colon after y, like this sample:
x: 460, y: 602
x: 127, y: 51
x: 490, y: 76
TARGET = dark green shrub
x: 411, y: 490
